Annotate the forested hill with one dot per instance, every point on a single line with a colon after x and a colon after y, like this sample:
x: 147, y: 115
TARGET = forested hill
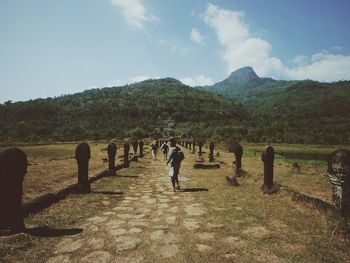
x: 113, y: 112
x: 290, y: 111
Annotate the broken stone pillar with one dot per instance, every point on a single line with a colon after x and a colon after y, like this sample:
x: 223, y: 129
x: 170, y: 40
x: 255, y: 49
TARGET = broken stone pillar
x: 238, y: 159
x: 141, y: 147
x: 339, y: 175
x: 112, y: 151
x: 200, y: 145
x: 82, y: 155
x: 211, y: 152
x: 13, y: 167
x: 126, y: 154
x: 268, y: 157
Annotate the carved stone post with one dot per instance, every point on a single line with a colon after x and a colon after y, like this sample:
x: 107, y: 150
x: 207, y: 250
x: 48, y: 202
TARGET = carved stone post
x: 13, y: 167
x: 211, y: 153
x: 200, y: 145
x: 268, y: 157
x: 238, y: 159
x: 126, y: 154
x: 339, y: 175
x: 141, y: 148
x: 82, y: 155
x: 112, y: 151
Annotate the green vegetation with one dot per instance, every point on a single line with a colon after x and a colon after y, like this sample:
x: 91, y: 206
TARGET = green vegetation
x: 242, y: 107
x: 114, y: 112
x: 290, y: 111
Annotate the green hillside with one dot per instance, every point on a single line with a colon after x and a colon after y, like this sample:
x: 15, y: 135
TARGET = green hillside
x: 290, y: 111
x: 114, y: 112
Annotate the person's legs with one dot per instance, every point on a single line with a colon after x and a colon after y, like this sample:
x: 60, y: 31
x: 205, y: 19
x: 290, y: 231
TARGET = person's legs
x: 176, y: 177
x: 173, y: 182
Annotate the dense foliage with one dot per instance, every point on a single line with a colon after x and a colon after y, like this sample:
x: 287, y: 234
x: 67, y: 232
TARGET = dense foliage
x: 290, y: 111
x: 143, y: 108
x: 263, y: 110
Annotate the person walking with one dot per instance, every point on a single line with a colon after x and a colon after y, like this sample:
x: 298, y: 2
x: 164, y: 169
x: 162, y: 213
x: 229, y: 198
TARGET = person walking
x: 175, y: 158
x: 165, y: 149
x: 154, y: 149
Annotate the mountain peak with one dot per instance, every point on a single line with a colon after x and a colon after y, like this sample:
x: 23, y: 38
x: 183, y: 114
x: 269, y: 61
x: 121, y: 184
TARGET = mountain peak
x: 245, y: 72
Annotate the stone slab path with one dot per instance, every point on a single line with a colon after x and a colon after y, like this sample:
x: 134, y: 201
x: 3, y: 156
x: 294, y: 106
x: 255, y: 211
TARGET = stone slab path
x: 149, y: 224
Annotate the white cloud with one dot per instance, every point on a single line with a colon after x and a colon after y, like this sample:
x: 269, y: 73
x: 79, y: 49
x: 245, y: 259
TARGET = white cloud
x: 198, y: 80
x: 134, y: 12
x: 323, y: 67
x: 241, y: 48
x: 196, y: 36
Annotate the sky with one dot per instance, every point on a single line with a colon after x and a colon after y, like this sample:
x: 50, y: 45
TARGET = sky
x: 50, y: 48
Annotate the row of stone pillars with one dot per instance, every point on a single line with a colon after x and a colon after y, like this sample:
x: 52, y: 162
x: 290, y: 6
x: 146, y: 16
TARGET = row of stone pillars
x: 13, y: 167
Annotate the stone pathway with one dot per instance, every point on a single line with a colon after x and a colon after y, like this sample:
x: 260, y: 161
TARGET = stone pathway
x: 148, y: 223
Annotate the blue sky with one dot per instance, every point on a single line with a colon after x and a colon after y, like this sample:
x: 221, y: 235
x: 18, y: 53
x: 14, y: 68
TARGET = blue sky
x: 56, y: 47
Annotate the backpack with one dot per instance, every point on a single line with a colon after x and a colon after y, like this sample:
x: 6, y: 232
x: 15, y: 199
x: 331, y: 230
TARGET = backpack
x: 180, y: 155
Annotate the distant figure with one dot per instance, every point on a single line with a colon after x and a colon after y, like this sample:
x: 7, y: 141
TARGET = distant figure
x: 165, y: 149
x: 154, y: 149
x: 175, y: 158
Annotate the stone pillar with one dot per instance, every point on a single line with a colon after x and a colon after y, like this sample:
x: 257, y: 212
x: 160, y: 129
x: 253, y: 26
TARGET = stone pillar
x: 194, y: 147
x: 112, y: 151
x: 141, y: 147
x: 200, y: 145
x: 126, y: 154
x: 190, y: 146
x: 82, y: 155
x: 186, y: 145
x: 339, y: 175
x: 268, y: 157
x: 238, y: 158
x: 211, y: 153
x: 13, y: 167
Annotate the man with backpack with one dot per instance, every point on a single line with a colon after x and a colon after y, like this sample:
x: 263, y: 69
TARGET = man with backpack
x: 175, y: 158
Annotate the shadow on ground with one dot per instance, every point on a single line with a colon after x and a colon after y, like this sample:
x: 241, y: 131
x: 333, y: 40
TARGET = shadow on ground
x: 52, y: 232
x: 194, y: 190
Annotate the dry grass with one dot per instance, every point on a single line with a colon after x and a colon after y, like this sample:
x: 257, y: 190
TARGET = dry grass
x: 260, y: 228
x: 53, y: 167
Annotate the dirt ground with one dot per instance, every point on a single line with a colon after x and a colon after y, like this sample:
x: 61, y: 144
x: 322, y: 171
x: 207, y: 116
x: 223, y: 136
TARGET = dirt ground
x: 136, y: 217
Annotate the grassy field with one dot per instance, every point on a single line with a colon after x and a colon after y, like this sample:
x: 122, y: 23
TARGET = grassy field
x: 52, y: 167
x: 260, y: 228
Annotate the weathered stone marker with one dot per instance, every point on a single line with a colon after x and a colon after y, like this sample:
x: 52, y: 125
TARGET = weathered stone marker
x: 126, y: 154
x: 82, y: 155
x: 141, y: 148
x: 339, y: 175
x: 112, y: 151
x: 268, y: 157
x: 190, y: 146
x: 13, y: 167
x: 211, y: 152
x: 194, y: 146
x: 238, y: 159
x: 200, y: 145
